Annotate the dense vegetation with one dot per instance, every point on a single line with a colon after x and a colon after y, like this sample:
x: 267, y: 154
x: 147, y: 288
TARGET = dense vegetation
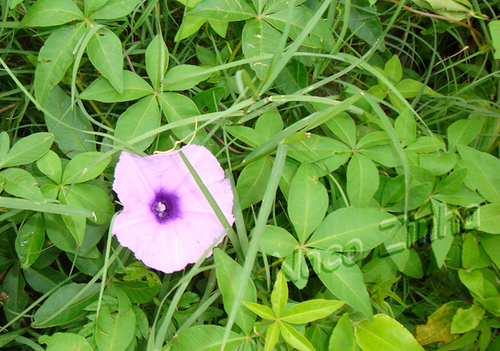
x: 360, y: 138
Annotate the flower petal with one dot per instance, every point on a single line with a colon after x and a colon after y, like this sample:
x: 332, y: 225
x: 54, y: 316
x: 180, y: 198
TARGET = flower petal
x: 170, y: 244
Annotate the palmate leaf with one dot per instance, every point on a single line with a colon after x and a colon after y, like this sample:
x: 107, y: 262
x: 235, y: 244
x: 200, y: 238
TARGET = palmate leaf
x: 226, y: 10
x: 343, y: 278
x: 134, y: 87
x: 362, y: 180
x: 115, y: 332
x: 65, y: 305
x: 385, y: 333
x: 321, y: 35
x: 30, y: 239
x: 54, y: 59
x: 140, y: 118
x: 307, y: 201
x: 60, y: 341
x: 27, y: 150
x: 354, y: 230
x: 114, y: 9
x: 45, y: 13
x: 259, y: 38
x: 156, y: 60
x: 365, y: 23
x: 206, y: 338
x: 228, y: 273
x: 105, y: 53
x: 73, y: 132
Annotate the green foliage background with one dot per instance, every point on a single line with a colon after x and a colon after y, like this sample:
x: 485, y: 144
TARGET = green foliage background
x: 360, y: 138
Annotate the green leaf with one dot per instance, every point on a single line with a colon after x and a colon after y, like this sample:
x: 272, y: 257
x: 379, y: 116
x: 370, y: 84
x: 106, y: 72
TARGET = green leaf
x: 84, y: 167
x: 342, y: 125
x: 189, y: 26
x: 466, y: 319
x: 292, y: 78
x: 28, y: 149
x: 438, y: 164
x: 311, y: 310
x: 58, y: 233
x: 105, y: 53
x: 92, y: 5
x: 95, y: 199
x: 295, y: 269
x: 54, y: 59
x: 247, y: 135
x: 491, y: 244
x: 50, y: 165
x: 321, y: 35
x: 140, y: 118
x: 156, y: 60
x: 474, y: 281
x: 20, y: 183
x: 177, y: 107
x: 456, y: 10
x: 114, y: 9
x: 43, y: 279
x: 494, y: 27
x: 269, y: 124
x: 452, y: 183
x: 462, y: 132
x: 463, y: 197
x: 470, y: 251
x: 329, y: 154
x: 362, y: 180
x: 294, y: 338
x: 413, y: 267
x: 206, y: 338
x: 228, y: 273
x: 252, y: 182
x: 483, y: 172
x: 61, y: 342
x: 342, y: 337
x: 263, y: 311
x: 491, y: 304
x: 385, y: 333
x: 134, y: 87
x: 272, y: 337
x: 365, y: 23
x: 73, y: 132
x: 114, y: 332
x: 54, y: 312
x: 259, y: 38
x: 184, y: 77
x: 307, y: 201
x: 13, y: 285
x: 30, y: 239
x: 354, y: 229
x: 394, y: 70
x: 442, y: 232
x: 343, y: 278
x: 48, y: 13
x: 278, y: 242
x: 406, y: 127
x: 386, y: 155
x: 279, y: 295
x: 76, y: 225
x: 138, y: 291
x: 226, y: 10
x: 486, y: 219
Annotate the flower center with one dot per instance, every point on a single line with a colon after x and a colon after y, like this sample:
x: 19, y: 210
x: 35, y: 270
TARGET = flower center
x: 164, y: 207
x: 161, y: 210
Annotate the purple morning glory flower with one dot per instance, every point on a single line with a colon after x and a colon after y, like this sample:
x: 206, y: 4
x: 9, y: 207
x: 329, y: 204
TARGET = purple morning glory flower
x: 166, y: 220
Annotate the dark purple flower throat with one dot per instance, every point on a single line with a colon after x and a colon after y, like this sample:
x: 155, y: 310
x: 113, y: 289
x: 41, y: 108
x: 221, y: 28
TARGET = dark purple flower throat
x: 164, y: 207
